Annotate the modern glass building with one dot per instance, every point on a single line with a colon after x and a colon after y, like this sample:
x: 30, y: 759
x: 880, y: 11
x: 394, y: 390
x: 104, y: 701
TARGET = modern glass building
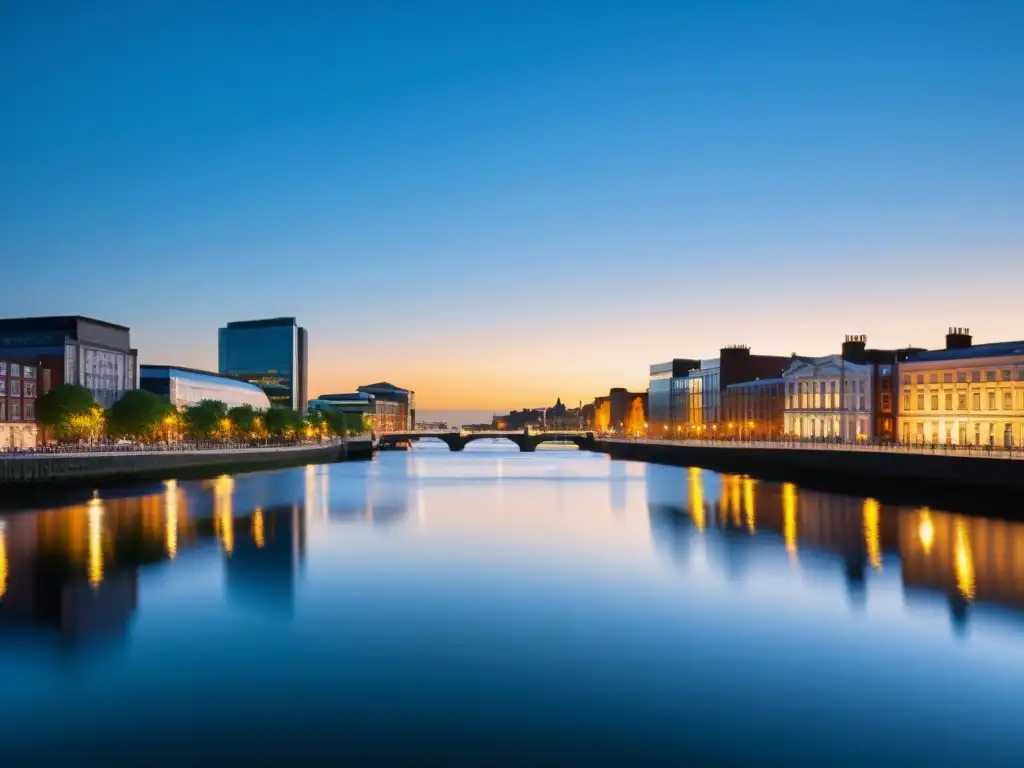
x: 394, y: 407
x: 187, y: 386
x: 350, y: 402
x: 270, y: 354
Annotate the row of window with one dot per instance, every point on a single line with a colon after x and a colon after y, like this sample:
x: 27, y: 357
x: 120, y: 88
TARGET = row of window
x: 808, y: 387
x: 992, y: 399
x: 18, y: 388
x: 963, y: 376
x: 18, y: 371
x: 17, y: 411
x: 826, y: 402
x: 958, y: 434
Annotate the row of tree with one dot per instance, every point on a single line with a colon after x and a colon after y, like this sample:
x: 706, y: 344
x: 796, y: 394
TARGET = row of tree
x: 70, y: 413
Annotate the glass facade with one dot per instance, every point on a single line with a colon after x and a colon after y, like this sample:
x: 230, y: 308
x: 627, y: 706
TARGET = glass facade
x: 270, y: 354
x: 183, y: 387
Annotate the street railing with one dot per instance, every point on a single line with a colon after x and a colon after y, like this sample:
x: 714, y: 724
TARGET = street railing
x: 934, y: 449
x: 190, y: 446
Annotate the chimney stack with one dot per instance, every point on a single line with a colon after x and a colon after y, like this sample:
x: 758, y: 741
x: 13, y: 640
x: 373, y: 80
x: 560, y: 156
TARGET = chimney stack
x: 958, y: 338
x: 854, y: 348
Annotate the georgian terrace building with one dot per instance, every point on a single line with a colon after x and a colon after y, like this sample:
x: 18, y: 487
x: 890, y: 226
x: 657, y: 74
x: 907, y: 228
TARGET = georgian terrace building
x: 849, y: 396
x: 965, y: 394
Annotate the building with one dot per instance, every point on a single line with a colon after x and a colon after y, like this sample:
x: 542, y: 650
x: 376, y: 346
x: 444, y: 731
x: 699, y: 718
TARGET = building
x: 395, y: 408
x: 272, y: 354
x: 620, y: 411
x: 20, y: 384
x: 74, y: 350
x: 187, y: 386
x: 866, y: 409
x: 664, y: 394
x: 965, y: 394
x: 349, y: 402
x: 431, y: 426
x: 755, y: 409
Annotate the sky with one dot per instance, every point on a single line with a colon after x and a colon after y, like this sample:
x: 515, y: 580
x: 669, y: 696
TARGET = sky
x: 500, y: 203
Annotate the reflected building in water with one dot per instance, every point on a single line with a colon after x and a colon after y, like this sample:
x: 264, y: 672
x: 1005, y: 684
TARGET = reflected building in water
x: 967, y: 559
x: 262, y: 570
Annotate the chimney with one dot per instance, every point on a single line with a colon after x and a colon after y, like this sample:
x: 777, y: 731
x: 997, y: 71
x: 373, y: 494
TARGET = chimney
x: 958, y: 338
x: 854, y: 348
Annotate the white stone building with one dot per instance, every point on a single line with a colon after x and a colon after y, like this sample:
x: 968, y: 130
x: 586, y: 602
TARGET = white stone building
x: 828, y: 397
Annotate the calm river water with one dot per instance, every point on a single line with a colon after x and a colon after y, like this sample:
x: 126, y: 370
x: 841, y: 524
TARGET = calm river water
x: 495, y: 607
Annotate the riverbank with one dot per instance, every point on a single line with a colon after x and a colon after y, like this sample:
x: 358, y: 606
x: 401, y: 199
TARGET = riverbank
x: 33, y: 471
x: 969, y: 483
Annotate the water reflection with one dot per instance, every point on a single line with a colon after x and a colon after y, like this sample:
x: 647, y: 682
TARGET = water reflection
x: 75, y: 569
x: 966, y: 559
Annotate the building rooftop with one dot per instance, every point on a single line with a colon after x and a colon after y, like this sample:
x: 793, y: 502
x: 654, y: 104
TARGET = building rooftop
x: 150, y: 368
x: 998, y: 349
x: 54, y: 322
x: 268, y: 323
x: 364, y: 396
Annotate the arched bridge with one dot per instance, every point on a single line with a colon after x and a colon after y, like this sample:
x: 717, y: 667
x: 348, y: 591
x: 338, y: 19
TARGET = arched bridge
x: 527, y: 441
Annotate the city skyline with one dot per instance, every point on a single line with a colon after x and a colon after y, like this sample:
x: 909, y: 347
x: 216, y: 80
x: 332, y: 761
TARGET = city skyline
x: 497, y: 207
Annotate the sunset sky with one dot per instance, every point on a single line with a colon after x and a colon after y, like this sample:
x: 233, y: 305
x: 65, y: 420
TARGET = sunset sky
x: 500, y: 203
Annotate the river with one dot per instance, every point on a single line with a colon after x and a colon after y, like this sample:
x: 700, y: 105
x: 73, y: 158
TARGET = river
x: 490, y: 606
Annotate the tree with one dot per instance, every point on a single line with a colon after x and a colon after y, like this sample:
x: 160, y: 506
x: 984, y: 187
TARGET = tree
x: 206, y: 419
x: 283, y: 422
x: 139, y: 415
x: 344, y: 424
x: 69, y: 412
x: 244, y: 419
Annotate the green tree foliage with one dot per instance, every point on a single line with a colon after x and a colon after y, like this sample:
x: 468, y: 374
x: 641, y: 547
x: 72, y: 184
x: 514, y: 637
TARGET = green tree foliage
x: 138, y: 415
x: 69, y: 412
x: 244, y: 420
x: 345, y: 424
x: 283, y: 422
x: 206, y: 419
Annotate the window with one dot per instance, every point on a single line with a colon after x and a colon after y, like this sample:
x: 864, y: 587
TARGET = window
x: 949, y: 401
x: 906, y: 379
x: 3, y: 370
x: 1007, y: 401
x: 976, y: 401
x: 962, y: 376
x: 991, y: 401
x: 947, y: 378
x: 886, y: 402
x: 846, y: 385
x: 3, y: 410
x: 3, y: 387
x: 860, y: 403
x: 920, y: 401
x: 30, y: 411
x: 29, y: 372
x: 30, y: 389
x: 15, y: 369
x: 990, y: 375
x: 906, y: 401
x: 1006, y: 375
x: 15, y: 411
x: 16, y: 387
x: 934, y: 378
x: 920, y: 378
x: 961, y: 401
x: 935, y: 401
x: 975, y: 375
x: 863, y: 385
x: 790, y: 388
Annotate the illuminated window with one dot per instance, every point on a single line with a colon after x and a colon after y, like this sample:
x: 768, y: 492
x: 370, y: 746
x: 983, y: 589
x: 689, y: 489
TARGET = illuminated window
x: 886, y: 402
x: 976, y: 401
x: 3, y: 370
x: 947, y: 378
x: 16, y: 387
x: 949, y: 401
x: 29, y: 372
x: 920, y: 401
x: 1008, y: 401
x: 975, y: 375
x: 991, y: 401
x: 934, y: 378
x: 962, y: 376
x: 30, y: 389
x: 15, y: 411
x: 990, y: 375
x: 935, y: 401
x: 906, y: 401
x: 961, y: 401
x: 920, y: 378
x: 1006, y: 375
x: 15, y: 369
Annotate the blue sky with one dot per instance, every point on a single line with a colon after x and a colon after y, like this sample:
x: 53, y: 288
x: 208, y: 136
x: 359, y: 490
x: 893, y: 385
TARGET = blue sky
x: 500, y: 203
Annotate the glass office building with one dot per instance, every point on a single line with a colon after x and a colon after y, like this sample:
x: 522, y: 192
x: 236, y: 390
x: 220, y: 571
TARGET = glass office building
x: 270, y: 354
x: 187, y: 386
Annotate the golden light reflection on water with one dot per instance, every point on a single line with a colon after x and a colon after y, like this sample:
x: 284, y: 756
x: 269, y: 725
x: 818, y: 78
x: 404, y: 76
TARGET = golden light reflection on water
x: 734, y: 493
x: 257, y: 528
x: 171, y: 521
x: 748, y: 504
x: 789, y: 518
x: 95, y: 542
x: 872, y: 538
x: 3, y: 562
x: 696, y: 490
x: 963, y: 560
x: 223, y: 488
x: 926, y: 531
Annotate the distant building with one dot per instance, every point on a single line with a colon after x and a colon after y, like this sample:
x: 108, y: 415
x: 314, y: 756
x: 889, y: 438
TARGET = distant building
x: 272, y: 354
x: 20, y: 384
x: 621, y: 411
x: 432, y: 426
x: 186, y: 386
x: 755, y: 409
x: 74, y: 350
x: 350, y: 402
x: 395, y: 408
x: 665, y: 404
x: 965, y: 394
